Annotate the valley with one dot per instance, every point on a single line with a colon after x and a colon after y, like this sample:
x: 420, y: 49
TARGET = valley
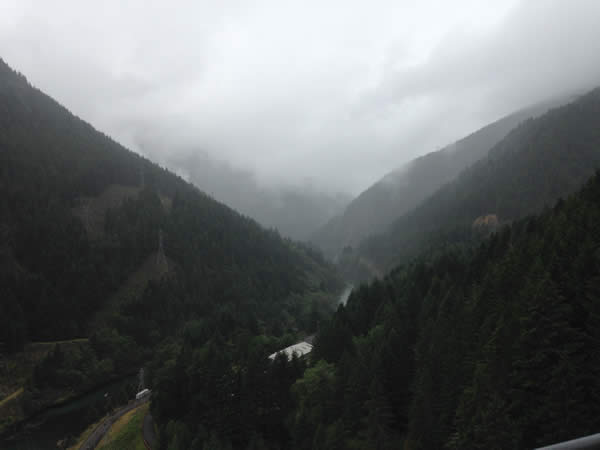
x: 266, y: 226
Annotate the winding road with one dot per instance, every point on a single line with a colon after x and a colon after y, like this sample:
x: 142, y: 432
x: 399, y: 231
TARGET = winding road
x: 94, y: 439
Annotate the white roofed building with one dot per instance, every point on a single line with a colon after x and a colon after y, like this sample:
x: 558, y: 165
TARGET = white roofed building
x: 300, y: 349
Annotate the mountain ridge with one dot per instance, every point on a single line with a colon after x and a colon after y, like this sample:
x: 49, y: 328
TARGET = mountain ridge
x: 403, y: 189
x: 81, y: 220
x: 539, y: 161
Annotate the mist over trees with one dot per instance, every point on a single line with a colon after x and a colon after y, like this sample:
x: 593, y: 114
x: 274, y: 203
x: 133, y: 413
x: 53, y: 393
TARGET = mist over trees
x: 539, y: 161
x: 374, y: 210
x: 296, y: 211
x: 453, y: 304
x: 100, y: 243
x: 483, y: 337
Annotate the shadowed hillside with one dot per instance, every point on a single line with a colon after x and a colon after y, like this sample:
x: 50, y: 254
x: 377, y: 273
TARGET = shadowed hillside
x: 80, y: 255
x: 488, y: 347
x: 405, y: 188
x: 537, y: 163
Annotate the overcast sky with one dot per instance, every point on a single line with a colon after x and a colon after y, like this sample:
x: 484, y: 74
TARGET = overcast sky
x: 331, y: 93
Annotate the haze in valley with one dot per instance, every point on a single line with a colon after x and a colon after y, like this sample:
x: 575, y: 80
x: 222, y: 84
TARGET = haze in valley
x: 268, y: 105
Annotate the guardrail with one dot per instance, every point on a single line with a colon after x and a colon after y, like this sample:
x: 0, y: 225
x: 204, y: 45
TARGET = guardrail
x: 587, y: 442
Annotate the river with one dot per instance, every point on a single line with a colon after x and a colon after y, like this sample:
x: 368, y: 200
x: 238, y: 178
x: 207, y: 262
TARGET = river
x: 343, y: 298
x: 44, y: 430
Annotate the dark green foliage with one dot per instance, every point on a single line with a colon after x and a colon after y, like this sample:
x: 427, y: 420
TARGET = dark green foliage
x: 229, y: 388
x: 314, y: 394
x: 494, y: 347
x: 204, y: 317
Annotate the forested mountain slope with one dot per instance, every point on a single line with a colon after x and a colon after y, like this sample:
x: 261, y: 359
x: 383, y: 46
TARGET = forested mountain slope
x: 403, y: 189
x: 57, y: 275
x: 80, y: 220
x: 494, y: 347
x: 539, y: 161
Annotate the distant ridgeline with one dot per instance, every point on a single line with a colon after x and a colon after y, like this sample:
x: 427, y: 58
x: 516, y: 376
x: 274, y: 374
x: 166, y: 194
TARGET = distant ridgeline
x: 403, y: 189
x: 80, y: 254
x: 534, y: 165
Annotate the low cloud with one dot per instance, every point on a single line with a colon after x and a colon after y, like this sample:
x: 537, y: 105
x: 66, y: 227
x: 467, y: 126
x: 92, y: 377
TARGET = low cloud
x: 332, y: 93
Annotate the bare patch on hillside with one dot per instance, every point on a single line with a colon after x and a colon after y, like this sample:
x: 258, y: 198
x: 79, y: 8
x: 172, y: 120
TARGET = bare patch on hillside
x: 92, y: 210
x: 487, y: 221
x: 166, y: 202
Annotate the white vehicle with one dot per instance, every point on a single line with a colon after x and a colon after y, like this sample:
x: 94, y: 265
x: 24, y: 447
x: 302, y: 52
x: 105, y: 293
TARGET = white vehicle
x: 142, y: 394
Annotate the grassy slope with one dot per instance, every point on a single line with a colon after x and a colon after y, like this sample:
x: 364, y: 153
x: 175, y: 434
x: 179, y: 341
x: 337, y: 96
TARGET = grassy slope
x: 126, y: 433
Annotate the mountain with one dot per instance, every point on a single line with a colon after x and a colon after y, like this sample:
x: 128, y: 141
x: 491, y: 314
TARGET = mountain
x: 100, y: 243
x: 492, y: 347
x: 295, y: 211
x: 534, y: 165
x: 403, y: 189
x: 485, y: 336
